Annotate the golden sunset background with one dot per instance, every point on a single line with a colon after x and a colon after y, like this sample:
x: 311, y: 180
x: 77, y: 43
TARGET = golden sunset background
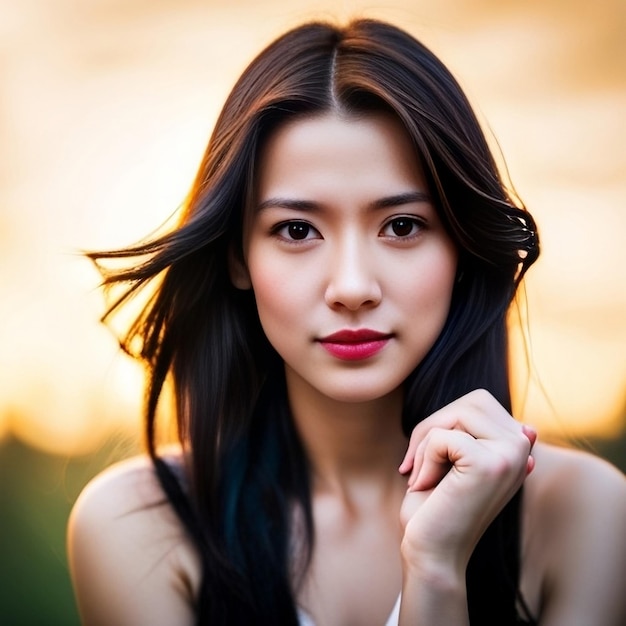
x: 105, y: 109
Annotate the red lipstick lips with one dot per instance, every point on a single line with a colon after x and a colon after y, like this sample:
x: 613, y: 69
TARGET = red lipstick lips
x: 355, y: 345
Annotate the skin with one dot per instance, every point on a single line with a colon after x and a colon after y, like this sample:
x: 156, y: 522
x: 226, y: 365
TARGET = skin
x: 326, y: 248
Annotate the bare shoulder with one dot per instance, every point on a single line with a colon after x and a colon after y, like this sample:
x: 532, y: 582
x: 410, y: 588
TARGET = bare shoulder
x: 130, y: 560
x: 554, y: 463
x: 126, y: 487
x: 575, y: 489
x: 570, y: 477
x: 575, y: 515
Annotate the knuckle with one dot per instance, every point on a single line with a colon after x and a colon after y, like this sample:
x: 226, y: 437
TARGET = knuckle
x: 499, y: 465
x: 523, y: 443
x: 480, y: 395
x: 436, y: 434
x: 420, y: 429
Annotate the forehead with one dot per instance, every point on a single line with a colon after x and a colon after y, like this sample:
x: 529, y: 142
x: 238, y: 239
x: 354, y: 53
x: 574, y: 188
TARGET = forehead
x: 328, y: 153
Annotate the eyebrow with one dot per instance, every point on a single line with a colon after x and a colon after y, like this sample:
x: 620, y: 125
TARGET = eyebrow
x: 399, y: 199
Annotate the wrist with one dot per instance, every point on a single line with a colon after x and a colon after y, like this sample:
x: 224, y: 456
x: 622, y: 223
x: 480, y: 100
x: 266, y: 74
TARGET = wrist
x: 434, y: 593
x: 444, y: 570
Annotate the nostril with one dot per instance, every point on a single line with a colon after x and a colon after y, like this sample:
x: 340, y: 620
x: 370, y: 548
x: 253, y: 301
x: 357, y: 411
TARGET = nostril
x: 353, y: 294
x: 352, y: 274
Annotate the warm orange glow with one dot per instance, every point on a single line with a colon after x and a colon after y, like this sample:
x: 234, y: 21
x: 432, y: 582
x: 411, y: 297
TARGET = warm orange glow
x: 560, y: 381
x: 4, y: 426
x: 107, y: 110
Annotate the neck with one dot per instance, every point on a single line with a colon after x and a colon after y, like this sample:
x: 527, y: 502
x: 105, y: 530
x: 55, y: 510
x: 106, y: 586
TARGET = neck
x: 348, y: 444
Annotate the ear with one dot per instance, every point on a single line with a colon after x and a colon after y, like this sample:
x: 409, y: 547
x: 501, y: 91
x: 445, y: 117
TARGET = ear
x: 237, y: 270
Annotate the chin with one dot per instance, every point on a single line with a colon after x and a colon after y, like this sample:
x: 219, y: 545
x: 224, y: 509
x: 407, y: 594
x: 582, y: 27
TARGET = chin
x: 359, y: 395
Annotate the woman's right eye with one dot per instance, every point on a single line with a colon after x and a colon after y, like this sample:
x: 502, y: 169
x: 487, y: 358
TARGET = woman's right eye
x: 296, y: 231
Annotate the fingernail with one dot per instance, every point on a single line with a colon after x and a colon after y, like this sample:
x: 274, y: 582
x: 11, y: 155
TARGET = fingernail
x: 530, y: 432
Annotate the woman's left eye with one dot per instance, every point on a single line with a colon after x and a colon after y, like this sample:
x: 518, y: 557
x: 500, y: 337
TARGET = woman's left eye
x: 402, y: 227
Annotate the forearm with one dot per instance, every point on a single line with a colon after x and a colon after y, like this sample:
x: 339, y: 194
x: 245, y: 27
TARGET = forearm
x: 433, y: 595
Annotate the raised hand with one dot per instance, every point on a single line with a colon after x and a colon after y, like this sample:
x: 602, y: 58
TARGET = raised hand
x: 464, y: 464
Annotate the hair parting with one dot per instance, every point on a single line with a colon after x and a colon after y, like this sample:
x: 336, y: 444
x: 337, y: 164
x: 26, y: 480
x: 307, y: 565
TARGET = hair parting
x: 245, y: 498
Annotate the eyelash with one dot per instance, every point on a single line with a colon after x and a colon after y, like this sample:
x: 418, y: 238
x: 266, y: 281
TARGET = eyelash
x: 278, y: 228
x: 417, y: 226
x: 413, y: 221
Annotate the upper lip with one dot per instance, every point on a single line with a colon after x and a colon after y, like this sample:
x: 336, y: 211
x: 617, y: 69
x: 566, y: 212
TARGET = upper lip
x: 355, y: 336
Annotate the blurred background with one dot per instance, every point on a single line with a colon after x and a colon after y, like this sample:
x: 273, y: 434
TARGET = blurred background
x: 105, y: 109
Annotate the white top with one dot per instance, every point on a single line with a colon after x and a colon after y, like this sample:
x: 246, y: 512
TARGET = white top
x: 306, y: 620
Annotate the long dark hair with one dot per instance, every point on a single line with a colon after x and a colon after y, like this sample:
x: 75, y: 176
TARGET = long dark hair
x: 245, y: 498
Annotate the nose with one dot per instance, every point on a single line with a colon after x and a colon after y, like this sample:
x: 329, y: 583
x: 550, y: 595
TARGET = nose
x: 352, y: 281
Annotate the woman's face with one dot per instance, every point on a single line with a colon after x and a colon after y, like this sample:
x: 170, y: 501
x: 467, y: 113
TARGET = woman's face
x: 351, y: 268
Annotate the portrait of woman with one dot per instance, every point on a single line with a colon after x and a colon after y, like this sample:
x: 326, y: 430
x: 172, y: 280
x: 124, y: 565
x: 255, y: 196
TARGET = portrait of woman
x: 330, y: 315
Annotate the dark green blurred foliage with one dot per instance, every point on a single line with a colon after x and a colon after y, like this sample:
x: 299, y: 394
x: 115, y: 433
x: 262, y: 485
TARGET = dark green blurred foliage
x: 37, y: 491
x: 613, y: 450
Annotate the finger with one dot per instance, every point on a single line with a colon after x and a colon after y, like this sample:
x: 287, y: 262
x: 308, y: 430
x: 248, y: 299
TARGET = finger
x: 441, y: 450
x: 446, y: 417
x: 531, y: 433
x: 407, y: 463
x: 409, y: 456
x: 418, y: 459
x: 477, y: 413
x: 419, y: 440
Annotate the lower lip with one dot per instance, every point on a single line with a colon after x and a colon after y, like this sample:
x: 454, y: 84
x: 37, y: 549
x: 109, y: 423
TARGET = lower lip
x: 355, y: 351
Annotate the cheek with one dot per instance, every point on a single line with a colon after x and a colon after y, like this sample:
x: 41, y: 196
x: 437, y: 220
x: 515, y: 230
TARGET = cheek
x: 278, y: 296
x: 427, y: 298
x: 434, y: 280
x: 439, y: 286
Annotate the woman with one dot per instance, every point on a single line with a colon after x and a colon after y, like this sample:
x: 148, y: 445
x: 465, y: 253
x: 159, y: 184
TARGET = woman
x: 331, y: 315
